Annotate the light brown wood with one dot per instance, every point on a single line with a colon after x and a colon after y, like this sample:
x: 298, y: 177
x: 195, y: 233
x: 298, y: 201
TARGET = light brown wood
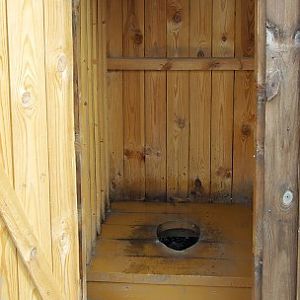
x: 281, y: 150
x: 177, y: 101
x: 244, y: 138
x: 91, y: 122
x: 120, y: 291
x: 180, y: 64
x: 133, y: 102
x: 29, y: 248
x: 155, y: 102
x: 60, y: 122
x: 29, y: 131
x: 8, y: 254
x: 84, y: 136
x: 222, y: 257
x: 115, y: 100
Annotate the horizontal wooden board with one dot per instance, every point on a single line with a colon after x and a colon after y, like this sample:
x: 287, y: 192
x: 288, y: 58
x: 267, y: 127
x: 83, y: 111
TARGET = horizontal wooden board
x: 122, y: 291
x: 180, y: 64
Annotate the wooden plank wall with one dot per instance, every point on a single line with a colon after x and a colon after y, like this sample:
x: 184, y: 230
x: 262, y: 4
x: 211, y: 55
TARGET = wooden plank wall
x: 37, y: 139
x: 91, y: 119
x: 178, y: 135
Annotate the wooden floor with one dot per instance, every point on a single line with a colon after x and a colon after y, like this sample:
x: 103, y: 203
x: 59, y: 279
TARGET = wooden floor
x: 130, y: 263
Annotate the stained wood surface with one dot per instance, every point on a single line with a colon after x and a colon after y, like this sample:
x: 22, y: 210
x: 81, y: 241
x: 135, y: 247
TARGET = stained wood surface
x: 281, y: 150
x: 120, y: 291
x: 180, y: 64
x: 177, y: 117
x: 222, y: 257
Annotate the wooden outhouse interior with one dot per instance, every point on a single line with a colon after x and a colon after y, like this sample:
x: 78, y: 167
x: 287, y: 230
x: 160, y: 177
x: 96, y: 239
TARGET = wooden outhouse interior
x: 165, y: 112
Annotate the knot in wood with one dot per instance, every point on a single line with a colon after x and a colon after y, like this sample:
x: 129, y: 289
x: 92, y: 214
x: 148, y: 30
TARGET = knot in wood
x: 177, y: 17
x: 27, y: 100
x: 61, y: 63
x: 138, y: 38
x: 246, y: 130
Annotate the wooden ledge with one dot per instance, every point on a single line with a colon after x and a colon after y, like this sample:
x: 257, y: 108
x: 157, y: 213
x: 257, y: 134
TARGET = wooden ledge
x: 180, y: 64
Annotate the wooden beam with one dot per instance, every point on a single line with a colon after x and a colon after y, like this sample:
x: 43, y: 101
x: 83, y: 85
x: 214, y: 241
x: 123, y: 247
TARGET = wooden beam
x: 180, y: 64
x: 280, y: 150
x: 25, y: 241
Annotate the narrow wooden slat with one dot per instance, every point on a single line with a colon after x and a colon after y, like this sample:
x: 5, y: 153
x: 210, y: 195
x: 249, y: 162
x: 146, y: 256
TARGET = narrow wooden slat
x: 8, y: 257
x: 133, y: 102
x: 115, y: 100
x: 96, y: 57
x: 29, y: 134
x: 221, y: 136
x: 180, y: 64
x: 244, y: 138
x: 177, y: 101
x: 120, y: 291
x: 200, y: 101
x: 60, y: 121
x: 245, y: 28
x: 91, y: 121
x: 84, y: 135
x: 29, y: 247
x: 222, y: 102
x: 155, y: 101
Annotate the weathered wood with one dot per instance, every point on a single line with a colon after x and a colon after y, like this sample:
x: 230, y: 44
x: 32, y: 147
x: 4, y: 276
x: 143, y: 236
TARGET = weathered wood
x: 115, y: 99
x: 180, y: 64
x: 29, y: 248
x: 281, y: 149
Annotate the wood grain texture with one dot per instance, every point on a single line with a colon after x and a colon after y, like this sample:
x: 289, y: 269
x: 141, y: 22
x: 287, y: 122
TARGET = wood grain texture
x: 177, y: 101
x: 155, y: 102
x: 60, y: 122
x: 29, y: 134
x: 221, y: 136
x: 147, y: 292
x: 133, y: 102
x: 129, y: 236
x: 281, y: 150
x: 200, y: 101
x: 244, y: 138
x: 180, y: 64
x: 8, y: 255
x: 84, y: 135
x: 91, y: 122
x: 245, y: 28
x: 115, y: 100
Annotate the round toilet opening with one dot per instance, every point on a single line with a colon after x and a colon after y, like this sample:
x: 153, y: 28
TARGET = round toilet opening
x: 178, y: 235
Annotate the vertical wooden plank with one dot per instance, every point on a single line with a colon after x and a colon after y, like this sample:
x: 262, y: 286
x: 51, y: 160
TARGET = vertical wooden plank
x: 60, y: 120
x: 77, y: 119
x: 244, y: 143
x: 177, y: 101
x: 133, y: 102
x: 28, y: 103
x: 245, y: 28
x: 115, y: 100
x: 155, y: 101
x: 91, y: 122
x: 96, y: 56
x: 281, y: 149
x: 200, y: 101
x: 8, y: 255
x: 222, y: 102
x: 84, y: 133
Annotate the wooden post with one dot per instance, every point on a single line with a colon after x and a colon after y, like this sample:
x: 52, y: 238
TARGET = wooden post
x: 278, y: 132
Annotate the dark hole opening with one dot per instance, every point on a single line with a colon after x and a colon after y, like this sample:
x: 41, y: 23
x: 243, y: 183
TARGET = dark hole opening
x: 178, y: 235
